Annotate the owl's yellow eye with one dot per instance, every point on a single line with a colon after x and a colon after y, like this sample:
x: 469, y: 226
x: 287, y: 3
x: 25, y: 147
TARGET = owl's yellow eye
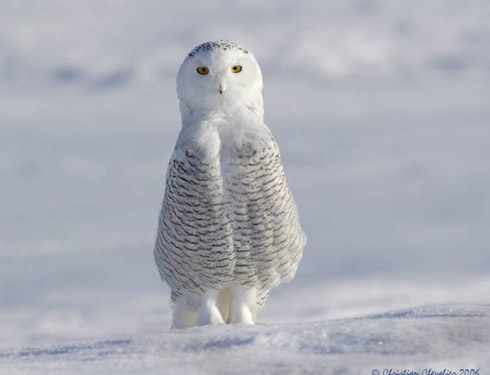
x: 202, y: 70
x: 236, y: 69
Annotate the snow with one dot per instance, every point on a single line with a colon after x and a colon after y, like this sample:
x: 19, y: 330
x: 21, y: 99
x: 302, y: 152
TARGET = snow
x: 381, y: 110
x: 414, y: 339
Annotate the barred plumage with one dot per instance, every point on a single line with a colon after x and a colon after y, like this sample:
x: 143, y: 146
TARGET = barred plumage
x: 228, y: 228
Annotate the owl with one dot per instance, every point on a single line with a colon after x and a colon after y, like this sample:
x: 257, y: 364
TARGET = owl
x: 228, y: 230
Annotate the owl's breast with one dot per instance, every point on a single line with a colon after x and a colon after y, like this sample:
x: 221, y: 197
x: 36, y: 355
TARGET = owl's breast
x: 228, y: 214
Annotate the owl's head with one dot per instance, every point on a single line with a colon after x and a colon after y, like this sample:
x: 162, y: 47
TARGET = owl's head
x: 219, y: 76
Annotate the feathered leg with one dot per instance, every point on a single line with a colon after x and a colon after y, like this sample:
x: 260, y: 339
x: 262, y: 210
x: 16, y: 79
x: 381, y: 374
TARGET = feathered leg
x: 209, y: 312
x: 184, y: 315
x: 243, y: 305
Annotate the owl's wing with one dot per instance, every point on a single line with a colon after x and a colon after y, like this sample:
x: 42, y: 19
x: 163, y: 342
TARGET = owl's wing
x: 268, y: 237
x: 194, y: 249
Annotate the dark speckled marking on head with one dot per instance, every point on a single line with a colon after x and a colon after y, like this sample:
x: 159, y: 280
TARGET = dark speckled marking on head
x: 220, y: 44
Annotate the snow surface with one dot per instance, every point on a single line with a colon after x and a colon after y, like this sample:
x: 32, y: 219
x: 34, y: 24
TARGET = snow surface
x: 381, y: 109
x: 408, y: 339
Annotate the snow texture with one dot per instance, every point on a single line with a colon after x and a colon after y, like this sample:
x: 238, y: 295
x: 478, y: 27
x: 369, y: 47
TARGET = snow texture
x: 382, y: 111
x: 407, y: 339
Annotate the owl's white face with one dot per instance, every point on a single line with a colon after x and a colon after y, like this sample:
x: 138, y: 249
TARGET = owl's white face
x: 219, y: 76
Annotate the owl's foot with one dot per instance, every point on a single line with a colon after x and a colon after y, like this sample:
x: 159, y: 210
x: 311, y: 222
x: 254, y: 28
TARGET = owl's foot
x: 184, y: 316
x: 243, y: 305
x: 208, y: 312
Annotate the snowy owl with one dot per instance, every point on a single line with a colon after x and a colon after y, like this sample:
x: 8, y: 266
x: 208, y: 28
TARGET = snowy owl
x: 228, y: 229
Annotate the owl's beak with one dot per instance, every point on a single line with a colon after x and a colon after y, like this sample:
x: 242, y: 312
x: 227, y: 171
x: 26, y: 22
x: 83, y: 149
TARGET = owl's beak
x: 222, y: 89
